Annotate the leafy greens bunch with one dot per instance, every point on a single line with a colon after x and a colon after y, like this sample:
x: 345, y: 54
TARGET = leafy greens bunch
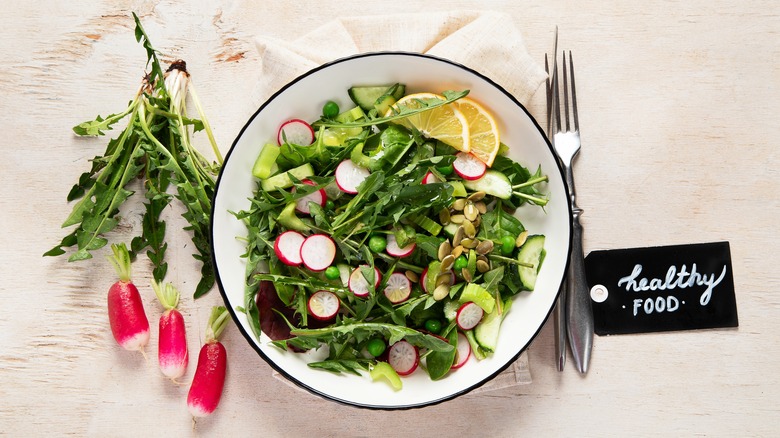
x: 155, y: 146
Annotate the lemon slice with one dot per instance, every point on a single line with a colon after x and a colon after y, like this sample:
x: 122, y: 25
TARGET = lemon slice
x: 445, y: 123
x: 483, y: 130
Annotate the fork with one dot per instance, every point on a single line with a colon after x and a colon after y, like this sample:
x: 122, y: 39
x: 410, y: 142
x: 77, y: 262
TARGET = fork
x: 566, y: 141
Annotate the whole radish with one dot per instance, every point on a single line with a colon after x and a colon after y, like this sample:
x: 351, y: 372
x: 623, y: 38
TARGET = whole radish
x: 209, y: 378
x: 172, y: 353
x: 125, y: 308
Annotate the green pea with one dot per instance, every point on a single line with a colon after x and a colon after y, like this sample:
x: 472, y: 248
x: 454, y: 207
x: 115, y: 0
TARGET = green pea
x: 332, y: 273
x: 507, y: 245
x: 376, y: 347
x: 330, y: 205
x: 446, y: 170
x: 460, y: 263
x: 377, y: 243
x: 433, y: 325
x: 330, y: 109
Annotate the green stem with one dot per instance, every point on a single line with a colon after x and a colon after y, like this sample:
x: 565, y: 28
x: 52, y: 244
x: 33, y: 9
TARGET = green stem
x: 535, y: 199
x: 531, y: 182
x: 206, y: 124
x: 508, y: 260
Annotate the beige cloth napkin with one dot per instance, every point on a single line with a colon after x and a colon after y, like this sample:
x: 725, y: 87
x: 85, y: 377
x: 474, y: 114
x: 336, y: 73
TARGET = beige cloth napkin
x: 488, y: 42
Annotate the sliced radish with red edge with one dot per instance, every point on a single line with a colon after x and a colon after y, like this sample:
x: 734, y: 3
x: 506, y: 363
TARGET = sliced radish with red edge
x: 403, y: 357
x: 318, y: 252
x: 295, y: 131
x: 358, y: 283
x: 318, y: 197
x: 398, y: 288
x: 430, y: 178
x: 468, y: 166
x: 324, y: 305
x: 462, y: 352
x: 349, y: 176
x: 469, y: 315
x: 396, y: 251
x: 288, y: 247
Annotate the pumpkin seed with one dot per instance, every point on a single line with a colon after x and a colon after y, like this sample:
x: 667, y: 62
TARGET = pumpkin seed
x: 485, y: 247
x: 521, y: 238
x: 481, y: 257
x: 443, y: 278
x: 444, y: 216
x: 477, y: 222
x: 470, y: 211
x: 457, y: 251
x: 412, y: 276
x: 444, y: 249
x: 481, y: 207
x: 459, y: 204
x: 469, y: 229
x: 466, y: 275
x: 441, y: 292
x: 446, y: 262
x: 482, y: 266
x: 477, y: 196
x: 457, y: 218
x: 469, y: 243
x: 459, y: 233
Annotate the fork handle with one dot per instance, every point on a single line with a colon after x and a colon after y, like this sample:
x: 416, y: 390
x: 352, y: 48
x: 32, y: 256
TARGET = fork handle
x: 579, y: 313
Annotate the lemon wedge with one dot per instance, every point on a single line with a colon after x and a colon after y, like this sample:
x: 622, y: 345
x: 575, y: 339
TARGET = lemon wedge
x: 484, y: 139
x: 444, y: 123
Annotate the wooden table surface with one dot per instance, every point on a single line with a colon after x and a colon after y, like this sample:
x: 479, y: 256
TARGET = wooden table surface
x: 679, y: 105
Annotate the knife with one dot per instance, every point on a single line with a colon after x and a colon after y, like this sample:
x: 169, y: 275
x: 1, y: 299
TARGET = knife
x: 559, y: 321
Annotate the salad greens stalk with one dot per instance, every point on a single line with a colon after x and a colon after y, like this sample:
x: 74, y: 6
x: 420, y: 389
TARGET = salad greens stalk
x: 156, y: 147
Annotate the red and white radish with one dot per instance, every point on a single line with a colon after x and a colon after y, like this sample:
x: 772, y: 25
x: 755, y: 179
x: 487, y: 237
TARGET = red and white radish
x: 324, y: 305
x: 349, y: 176
x: 462, y: 352
x: 358, y: 283
x: 403, y: 357
x: 295, y: 131
x: 287, y: 247
x: 318, y: 252
x: 318, y: 197
x: 469, y: 315
x: 430, y: 178
x: 172, y: 353
x: 209, y: 378
x: 398, y: 288
x: 125, y: 309
x: 468, y: 166
x: 396, y: 251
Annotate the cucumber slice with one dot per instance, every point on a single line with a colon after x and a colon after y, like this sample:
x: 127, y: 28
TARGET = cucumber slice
x: 532, y: 252
x: 366, y: 97
x: 265, y: 161
x: 451, y: 228
x: 451, y: 310
x: 493, y: 183
x: 458, y: 189
x: 486, y: 333
x: 476, y: 349
x: 384, y: 103
x: 283, y: 181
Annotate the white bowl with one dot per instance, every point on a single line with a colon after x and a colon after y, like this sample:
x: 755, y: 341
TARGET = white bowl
x: 303, y: 98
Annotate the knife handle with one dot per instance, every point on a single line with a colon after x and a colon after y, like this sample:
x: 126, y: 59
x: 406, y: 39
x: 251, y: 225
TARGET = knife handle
x: 579, y: 313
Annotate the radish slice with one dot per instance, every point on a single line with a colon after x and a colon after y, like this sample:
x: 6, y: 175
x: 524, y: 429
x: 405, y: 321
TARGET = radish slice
x: 318, y: 252
x: 394, y: 250
x: 358, y: 283
x: 324, y: 305
x: 468, y: 166
x: 317, y: 197
x: 349, y: 176
x: 295, y: 131
x: 288, y: 247
x: 430, y: 178
x: 462, y: 352
x: 424, y: 276
x: 469, y: 315
x: 403, y: 357
x: 398, y: 288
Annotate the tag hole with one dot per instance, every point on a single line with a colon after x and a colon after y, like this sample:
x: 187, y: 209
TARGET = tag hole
x: 599, y: 293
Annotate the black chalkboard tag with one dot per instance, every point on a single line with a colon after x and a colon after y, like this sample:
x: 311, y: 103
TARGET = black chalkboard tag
x: 663, y: 288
